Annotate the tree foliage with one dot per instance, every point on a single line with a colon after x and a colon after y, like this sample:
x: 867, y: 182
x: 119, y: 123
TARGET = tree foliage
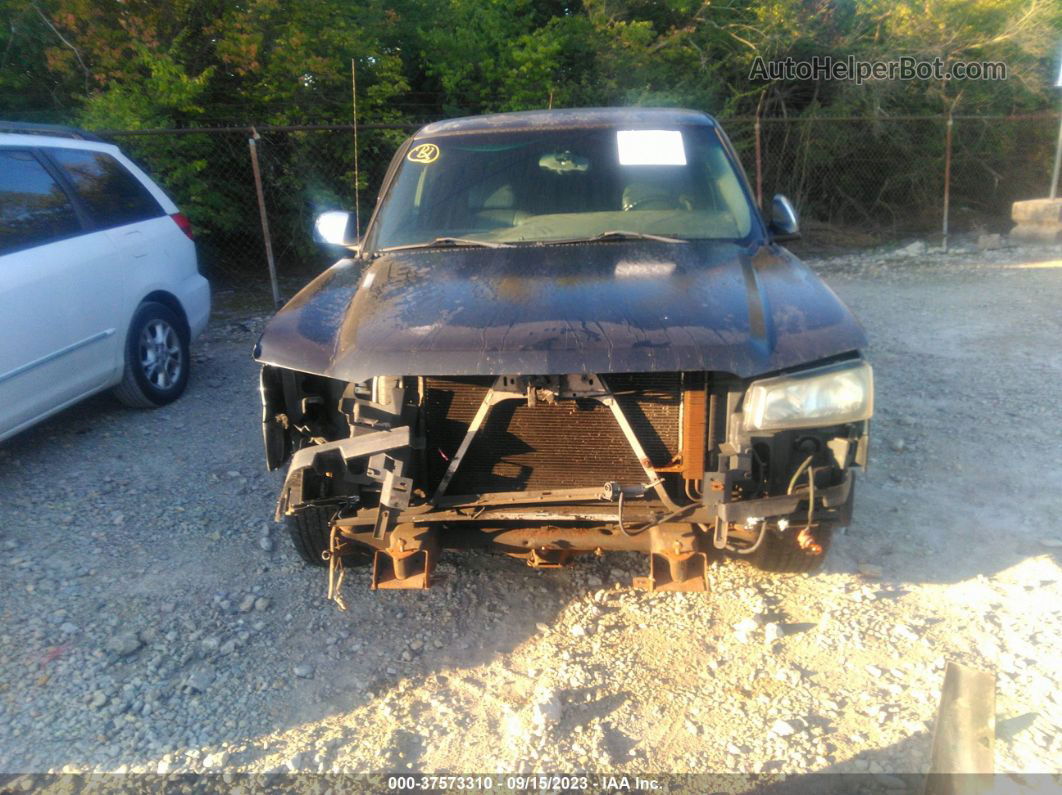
x: 139, y: 64
x: 289, y: 60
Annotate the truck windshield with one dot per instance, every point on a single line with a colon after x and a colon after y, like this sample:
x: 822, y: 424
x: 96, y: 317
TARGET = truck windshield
x: 522, y: 187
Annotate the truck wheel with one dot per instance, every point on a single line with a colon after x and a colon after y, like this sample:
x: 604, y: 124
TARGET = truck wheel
x: 781, y: 552
x: 156, y: 358
x: 309, y: 532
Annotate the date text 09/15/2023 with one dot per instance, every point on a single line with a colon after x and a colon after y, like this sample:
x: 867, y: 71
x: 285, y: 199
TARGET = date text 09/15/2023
x: 522, y: 783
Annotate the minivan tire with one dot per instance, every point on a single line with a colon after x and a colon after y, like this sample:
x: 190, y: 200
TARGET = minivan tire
x: 156, y: 358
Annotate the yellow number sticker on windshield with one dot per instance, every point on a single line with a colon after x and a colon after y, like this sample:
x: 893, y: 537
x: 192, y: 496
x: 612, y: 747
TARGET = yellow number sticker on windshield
x: 424, y: 153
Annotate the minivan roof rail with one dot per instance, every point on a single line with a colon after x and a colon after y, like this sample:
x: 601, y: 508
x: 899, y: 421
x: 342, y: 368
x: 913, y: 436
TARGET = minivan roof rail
x: 47, y: 129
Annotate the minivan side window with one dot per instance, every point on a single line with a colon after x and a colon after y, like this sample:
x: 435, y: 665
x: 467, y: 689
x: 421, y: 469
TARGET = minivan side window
x: 112, y: 196
x: 34, y: 209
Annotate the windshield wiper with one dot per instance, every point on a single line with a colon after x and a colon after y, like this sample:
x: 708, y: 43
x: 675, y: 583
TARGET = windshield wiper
x: 621, y: 234
x: 449, y: 242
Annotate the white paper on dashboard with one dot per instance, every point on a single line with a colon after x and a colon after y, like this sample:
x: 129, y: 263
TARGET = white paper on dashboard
x: 650, y: 148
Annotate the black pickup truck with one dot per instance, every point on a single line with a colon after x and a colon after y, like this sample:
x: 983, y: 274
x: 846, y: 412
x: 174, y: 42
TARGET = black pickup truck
x: 566, y: 332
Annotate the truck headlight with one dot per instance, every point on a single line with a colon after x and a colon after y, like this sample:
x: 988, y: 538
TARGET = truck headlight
x: 828, y: 395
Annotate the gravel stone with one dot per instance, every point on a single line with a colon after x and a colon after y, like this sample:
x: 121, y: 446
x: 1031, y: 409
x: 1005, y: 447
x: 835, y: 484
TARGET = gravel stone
x: 916, y: 249
x: 215, y: 760
x: 548, y: 709
x: 747, y: 625
x: 201, y: 678
x: 782, y: 728
x: 124, y: 644
x: 871, y: 571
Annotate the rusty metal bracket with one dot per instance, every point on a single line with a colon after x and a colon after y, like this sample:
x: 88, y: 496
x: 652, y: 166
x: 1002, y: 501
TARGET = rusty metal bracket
x: 334, y: 557
x: 395, y: 492
x: 548, y: 558
x: 401, y: 570
x: 677, y: 560
x: 668, y: 571
x: 720, y: 535
x: 717, y: 487
x: 408, y: 560
x: 386, y: 519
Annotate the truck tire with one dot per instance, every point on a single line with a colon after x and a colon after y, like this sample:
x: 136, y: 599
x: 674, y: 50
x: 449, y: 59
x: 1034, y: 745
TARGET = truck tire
x: 309, y: 532
x: 781, y: 552
x: 156, y: 358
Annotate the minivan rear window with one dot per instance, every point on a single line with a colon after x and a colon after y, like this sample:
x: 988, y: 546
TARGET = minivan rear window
x: 34, y: 209
x: 113, y: 196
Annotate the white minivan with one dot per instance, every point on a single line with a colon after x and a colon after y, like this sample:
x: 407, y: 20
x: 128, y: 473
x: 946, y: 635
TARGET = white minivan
x: 99, y: 282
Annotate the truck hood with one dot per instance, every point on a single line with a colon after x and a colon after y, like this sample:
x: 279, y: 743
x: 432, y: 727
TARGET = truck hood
x: 603, y: 307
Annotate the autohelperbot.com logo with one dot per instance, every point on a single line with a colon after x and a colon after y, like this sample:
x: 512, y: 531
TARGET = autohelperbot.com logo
x: 906, y: 67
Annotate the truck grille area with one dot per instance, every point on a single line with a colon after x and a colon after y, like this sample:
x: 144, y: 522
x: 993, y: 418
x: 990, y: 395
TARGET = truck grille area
x: 569, y: 444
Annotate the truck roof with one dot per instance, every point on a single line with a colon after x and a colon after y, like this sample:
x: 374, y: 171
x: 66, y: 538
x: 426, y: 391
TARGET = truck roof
x: 568, y: 119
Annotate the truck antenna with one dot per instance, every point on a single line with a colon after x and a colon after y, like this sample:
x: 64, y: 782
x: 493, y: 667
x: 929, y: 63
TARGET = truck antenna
x: 357, y: 180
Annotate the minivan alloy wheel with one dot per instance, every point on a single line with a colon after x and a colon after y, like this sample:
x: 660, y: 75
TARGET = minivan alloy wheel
x: 160, y: 354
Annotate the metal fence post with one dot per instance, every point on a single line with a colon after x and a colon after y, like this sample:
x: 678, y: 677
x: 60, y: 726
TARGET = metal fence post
x: 264, y: 218
x: 759, y: 163
x: 947, y: 181
x: 1058, y: 160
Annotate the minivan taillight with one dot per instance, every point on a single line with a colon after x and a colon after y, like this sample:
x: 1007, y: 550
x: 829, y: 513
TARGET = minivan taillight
x: 182, y: 221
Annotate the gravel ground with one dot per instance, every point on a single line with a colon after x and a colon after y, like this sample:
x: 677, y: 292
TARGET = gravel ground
x: 153, y: 618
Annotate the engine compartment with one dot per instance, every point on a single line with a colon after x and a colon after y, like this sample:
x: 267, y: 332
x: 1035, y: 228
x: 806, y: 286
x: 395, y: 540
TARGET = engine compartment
x: 546, y: 467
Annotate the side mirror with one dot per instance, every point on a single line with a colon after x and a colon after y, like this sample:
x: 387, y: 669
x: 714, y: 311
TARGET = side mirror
x: 784, y: 224
x: 334, y: 228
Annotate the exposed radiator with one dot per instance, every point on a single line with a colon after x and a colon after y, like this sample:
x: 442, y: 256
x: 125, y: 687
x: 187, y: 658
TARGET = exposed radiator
x: 566, y: 445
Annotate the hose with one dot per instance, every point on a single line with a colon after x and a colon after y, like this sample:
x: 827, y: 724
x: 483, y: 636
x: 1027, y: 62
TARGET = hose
x: 636, y: 531
x: 811, y: 496
x: 806, y: 465
x: 798, y: 473
x: 619, y: 518
x: 754, y: 547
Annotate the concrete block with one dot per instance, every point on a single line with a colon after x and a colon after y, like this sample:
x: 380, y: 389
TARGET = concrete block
x: 1037, y: 212
x: 1031, y: 233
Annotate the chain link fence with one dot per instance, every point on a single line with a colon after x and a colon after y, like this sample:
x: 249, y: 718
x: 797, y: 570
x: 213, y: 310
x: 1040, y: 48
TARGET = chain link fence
x: 855, y: 181
x: 303, y: 171
x: 860, y: 181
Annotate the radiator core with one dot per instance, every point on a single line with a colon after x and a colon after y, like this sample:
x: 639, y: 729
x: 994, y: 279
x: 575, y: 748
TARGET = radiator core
x: 569, y: 444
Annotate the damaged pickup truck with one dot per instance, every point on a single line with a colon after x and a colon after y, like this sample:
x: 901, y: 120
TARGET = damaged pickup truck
x: 566, y: 332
